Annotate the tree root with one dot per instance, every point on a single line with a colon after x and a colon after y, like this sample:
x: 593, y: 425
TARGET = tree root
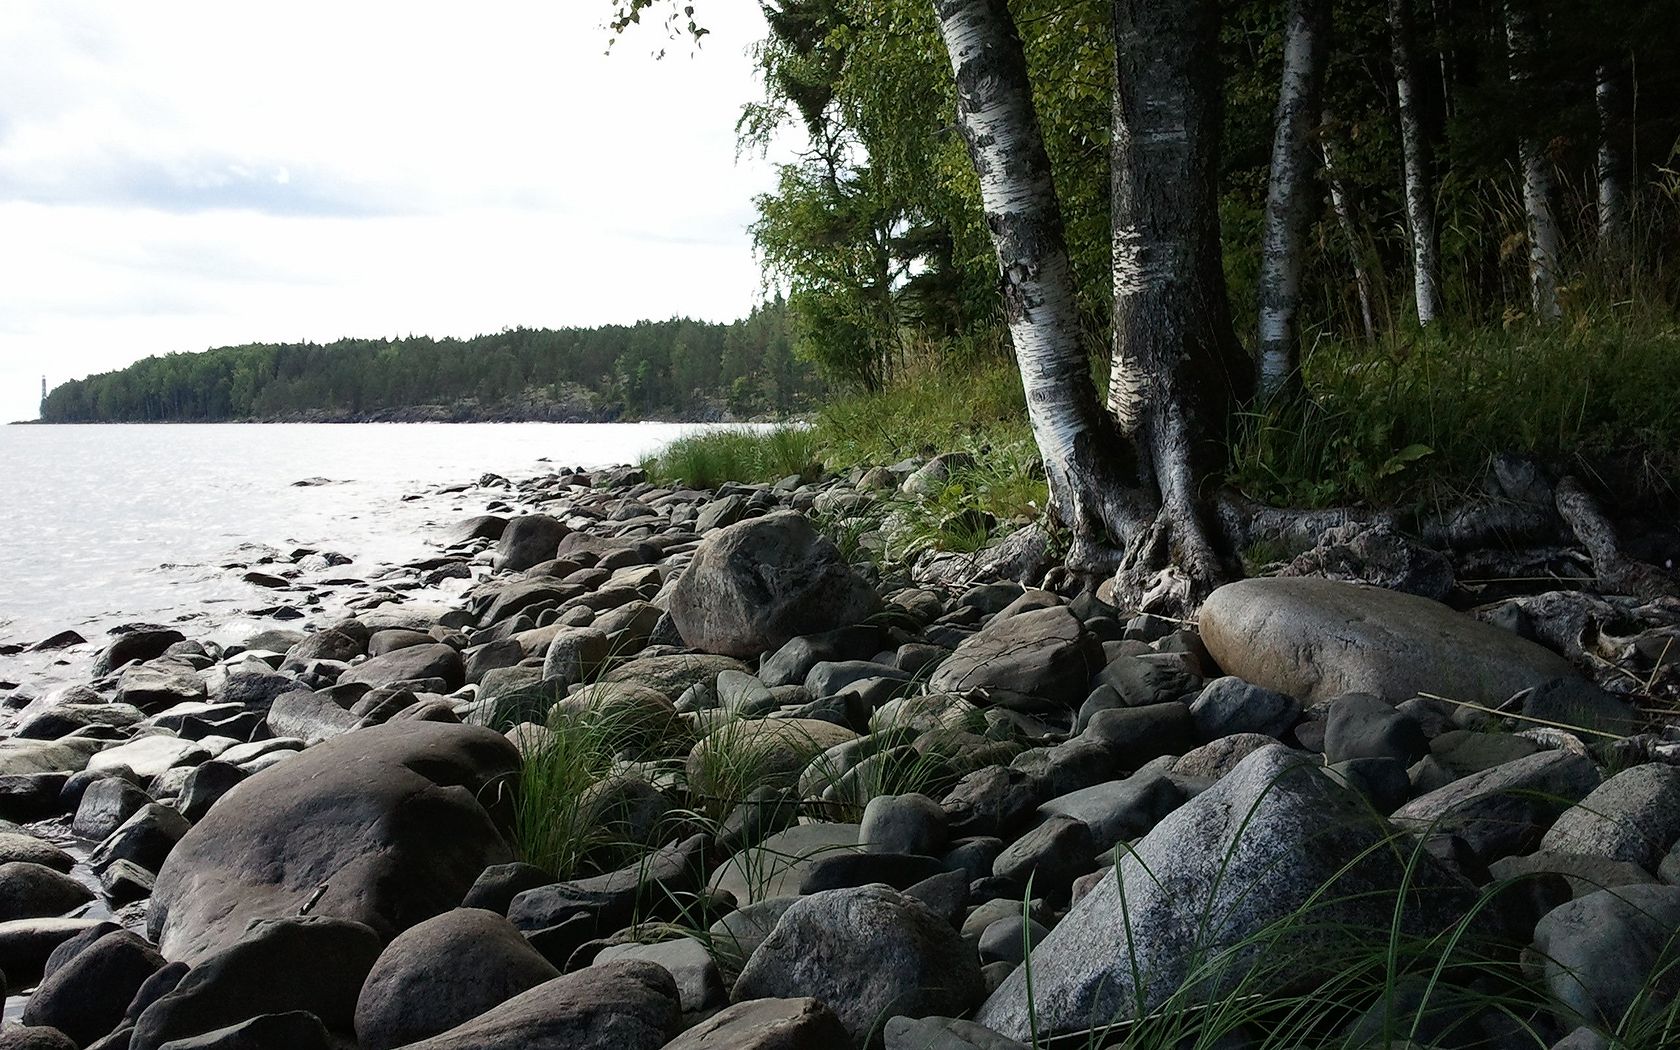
x: 1616, y: 571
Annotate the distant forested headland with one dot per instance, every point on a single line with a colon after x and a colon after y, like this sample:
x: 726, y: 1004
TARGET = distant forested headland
x: 677, y: 369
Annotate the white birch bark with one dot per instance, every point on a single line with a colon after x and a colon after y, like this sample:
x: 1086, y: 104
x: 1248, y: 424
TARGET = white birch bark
x: 1615, y: 163
x: 1544, y: 237
x: 1414, y: 147
x: 1350, y: 232
x: 1291, y: 192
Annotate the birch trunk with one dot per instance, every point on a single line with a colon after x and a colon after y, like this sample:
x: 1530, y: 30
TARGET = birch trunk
x: 1087, y: 463
x: 1350, y: 231
x: 1544, y: 238
x: 1178, y: 371
x: 1290, y: 194
x: 1414, y: 147
x: 1615, y: 163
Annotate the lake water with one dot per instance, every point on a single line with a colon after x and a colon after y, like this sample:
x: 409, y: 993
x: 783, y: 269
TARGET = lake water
x: 104, y: 525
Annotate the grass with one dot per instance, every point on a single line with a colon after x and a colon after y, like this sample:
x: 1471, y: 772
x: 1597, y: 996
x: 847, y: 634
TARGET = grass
x: 711, y: 458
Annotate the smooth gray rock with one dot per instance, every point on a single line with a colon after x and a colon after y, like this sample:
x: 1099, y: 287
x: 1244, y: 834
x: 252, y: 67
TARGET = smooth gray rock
x: 756, y: 584
x: 528, y: 540
x: 1248, y: 851
x: 1506, y: 809
x: 411, y: 664
x: 26, y: 944
x: 1365, y: 726
x: 314, y: 963
x: 35, y: 891
x: 86, y: 996
x: 106, y: 805
x: 869, y: 953
x: 1607, y: 949
x: 442, y: 973
x: 147, y: 643
x: 16, y: 846
x: 1229, y: 705
x: 1038, y: 660
x: 1634, y: 816
x: 388, y: 818
x: 767, y: 1024
x: 911, y: 823
x: 292, y: 1030
x: 628, y: 1005
x: 699, y: 981
x: 944, y: 1033
x: 1316, y: 639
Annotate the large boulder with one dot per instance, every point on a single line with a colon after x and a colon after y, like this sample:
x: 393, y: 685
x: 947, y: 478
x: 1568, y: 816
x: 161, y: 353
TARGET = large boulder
x: 1612, y: 956
x: 529, y: 540
x: 444, y: 972
x: 1274, y: 836
x: 1032, y: 660
x: 408, y: 665
x: 629, y: 1005
x: 1634, y: 816
x: 868, y: 953
x: 86, y: 995
x: 756, y: 584
x: 1317, y: 639
x: 1505, y: 809
x: 383, y: 825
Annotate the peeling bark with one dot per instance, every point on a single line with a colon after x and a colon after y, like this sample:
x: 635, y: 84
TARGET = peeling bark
x: 1544, y: 237
x: 1420, y: 190
x: 1290, y: 194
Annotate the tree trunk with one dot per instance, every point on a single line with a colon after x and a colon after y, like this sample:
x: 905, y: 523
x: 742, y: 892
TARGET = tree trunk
x: 1178, y: 371
x: 1290, y: 194
x: 1178, y: 368
x: 1544, y: 239
x: 1087, y: 463
x: 1614, y: 96
x: 1414, y: 147
x: 1350, y: 230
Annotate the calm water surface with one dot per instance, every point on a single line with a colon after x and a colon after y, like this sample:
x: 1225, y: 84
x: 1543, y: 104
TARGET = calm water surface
x: 103, y: 525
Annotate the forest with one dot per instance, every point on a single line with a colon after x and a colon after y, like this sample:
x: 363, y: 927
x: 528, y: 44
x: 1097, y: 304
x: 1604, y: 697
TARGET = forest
x: 676, y: 369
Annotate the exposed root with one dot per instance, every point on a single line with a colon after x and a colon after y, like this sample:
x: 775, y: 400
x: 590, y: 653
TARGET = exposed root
x: 1616, y: 572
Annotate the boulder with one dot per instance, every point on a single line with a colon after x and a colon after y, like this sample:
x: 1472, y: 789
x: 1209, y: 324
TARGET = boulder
x: 740, y: 756
x: 528, y: 540
x: 756, y: 584
x: 33, y: 891
x: 1609, y: 950
x: 1634, y: 816
x: 1227, y: 706
x: 1037, y: 660
x: 146, y: 643
x: 868, y: 953
x: 16, y: 846
x: 292, y: 1030
x: 149, y: 756
x: 313, y: 963
x: 85, y: 996
x: 1271, y: 836
x: 629, y: 1005
x: 442, y: 973
x: 383, y: 826
x: 1506, y: 809
x: 106, y: 804
x: 767, y: 1024
x: 1316, y: 639
x: 160, y: 684
x: 406, y: 665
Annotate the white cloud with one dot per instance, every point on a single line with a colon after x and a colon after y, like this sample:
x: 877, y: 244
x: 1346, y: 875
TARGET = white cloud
x: 185, y: 174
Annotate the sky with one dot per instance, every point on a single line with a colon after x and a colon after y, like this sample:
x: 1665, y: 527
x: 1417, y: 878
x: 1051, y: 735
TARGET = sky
x: 182, y: 174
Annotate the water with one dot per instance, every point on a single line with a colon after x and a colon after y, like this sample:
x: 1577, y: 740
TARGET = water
x: 104, y: 525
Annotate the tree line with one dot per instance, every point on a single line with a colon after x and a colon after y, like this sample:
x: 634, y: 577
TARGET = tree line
x: 676, y: 369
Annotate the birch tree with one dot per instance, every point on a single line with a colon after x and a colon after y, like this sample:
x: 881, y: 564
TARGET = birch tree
x: 1415, y: 153
x: 1613, y: 97
x: 1290, y: 194
x: 1127, y: 481
x: 1544, y: 237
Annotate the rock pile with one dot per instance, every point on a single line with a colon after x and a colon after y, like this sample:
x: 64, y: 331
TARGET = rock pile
x: 678, y: 774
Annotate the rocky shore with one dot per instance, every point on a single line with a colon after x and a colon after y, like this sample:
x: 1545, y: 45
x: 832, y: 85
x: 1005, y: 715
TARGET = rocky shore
x: 676, y: 773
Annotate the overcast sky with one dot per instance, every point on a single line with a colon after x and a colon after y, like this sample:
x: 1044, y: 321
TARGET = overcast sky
x: 181, y: 174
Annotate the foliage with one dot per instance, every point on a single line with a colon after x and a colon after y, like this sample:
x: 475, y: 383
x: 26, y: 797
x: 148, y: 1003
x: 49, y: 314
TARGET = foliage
x: 745, y: 454
x: 650, y: 369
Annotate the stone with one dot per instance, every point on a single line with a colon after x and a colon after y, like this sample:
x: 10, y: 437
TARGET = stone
x: 255, y: 690
x: 736, y: 935
x: 35, y: 1038
x: 776, y: 867
x: 671, y: 674
x: 32, y: 891
x: 1052, y: 854
x: 1217, y: 757
x: 1007, y: 939
x: 393, y: 816
x: 206, y: 785
x: 145, y: 839
x: 1634, y: 816
x: 1365, y: 726
x: 411, y: 664
x: 1032, y: 661
x: 869, y: 953
x: 18, y: 847
x: 944, y: 1033
x: 1229, y: 705
x: 147, y: 643
x: 790, y: 664
x: 1504, y: 810
x: 1317, y: 639
x: 756, y: 584
x: 312, y: 963
x: 844, y: 870
x: 910, y: 823
x: 573, y: 654
x: 106, y: 805
x: 1573, y: 701
x: 1118, y: 810
x: 442, y: 973
x: 292, y: 1030
x: 767, y: 1024
x: 149, y: 756
x: 86, y: 996
x: 1608, y: 949
x: 629, y: 1005
x: 310, y: 717
x: 698, y: 980
x: 160, y: 684
x: 528, y: 540
x: 1271, y: 835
